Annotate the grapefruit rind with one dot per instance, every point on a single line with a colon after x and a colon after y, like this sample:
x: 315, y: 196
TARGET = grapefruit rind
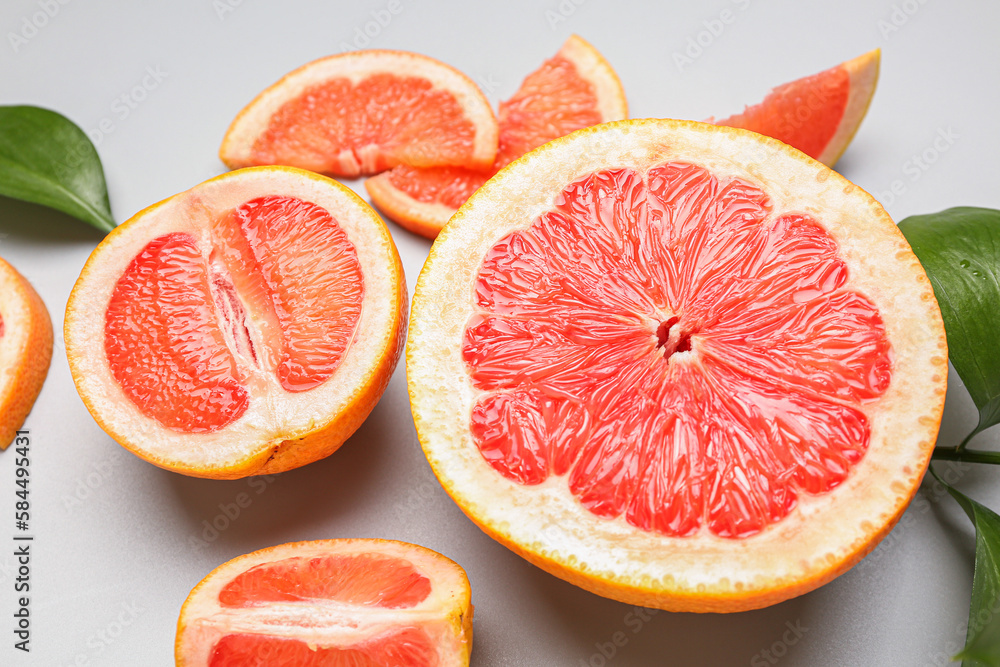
x: 280, y: 430
x: 25, y: 350
x: 427, y: 218
x: 253, y: 120
x: 449, y: 605
x: 824, y: 535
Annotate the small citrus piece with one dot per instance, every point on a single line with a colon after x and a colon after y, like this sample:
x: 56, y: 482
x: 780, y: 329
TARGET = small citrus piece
x: 574, y: 89
x: 363, y: 112
x: 349, y: 603
x: 680, y: 365
x: 25, y: 350
x: 246, y: 326
x: 817, y: 114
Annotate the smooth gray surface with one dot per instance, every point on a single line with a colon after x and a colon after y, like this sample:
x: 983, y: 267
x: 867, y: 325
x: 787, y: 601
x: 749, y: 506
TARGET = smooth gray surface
x: 119, y: 543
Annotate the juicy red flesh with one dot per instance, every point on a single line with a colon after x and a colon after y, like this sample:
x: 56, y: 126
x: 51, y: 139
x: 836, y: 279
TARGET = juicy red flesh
x: 373, y: 580
x: 178, y: 327
x: 553, y: 101
x: 684, y: 355
x: 804, y: 113
x: 311, y: 273
x: 164, y: 344
x: 408, y: 647
x: 349, y: 129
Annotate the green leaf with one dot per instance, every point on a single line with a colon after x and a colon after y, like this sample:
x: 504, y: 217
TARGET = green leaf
x: 982, y: 641
x: 46, y: 159
x: 960, y: 250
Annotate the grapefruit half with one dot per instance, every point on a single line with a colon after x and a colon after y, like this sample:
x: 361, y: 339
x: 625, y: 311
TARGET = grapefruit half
x: 246, y: 326
x: 348, y: 603
x: 817, y: 114
x: 680, y: 365
x: 576, y: 88
x: 25, y: 350
x: 363, y: 112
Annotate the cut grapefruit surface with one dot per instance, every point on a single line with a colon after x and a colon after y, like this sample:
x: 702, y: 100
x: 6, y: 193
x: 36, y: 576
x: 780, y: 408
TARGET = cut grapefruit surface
x: 818, y: 114
x: 356, y: 603
x: 249, y: 324
x: 676, y: 380
x: 25, y: 350
x: 363, y: 112
x: 574, y: 89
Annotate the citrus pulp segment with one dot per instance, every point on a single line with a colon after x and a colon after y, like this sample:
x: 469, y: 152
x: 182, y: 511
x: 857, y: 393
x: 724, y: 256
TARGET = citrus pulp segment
x: 246, y: 326
x: 574, y: 89
x: 818, y: 114
x: 363, y: 112
x: 354, y: 603
x: 677, y: 364
x: 25, y: 350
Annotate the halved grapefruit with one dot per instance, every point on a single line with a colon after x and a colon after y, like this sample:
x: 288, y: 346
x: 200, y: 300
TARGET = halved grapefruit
x: 347, y: 603
x: 817, y: 114
x: 574, y: 89
x: 680, y: 365
x: 363, y: 112
x: 25, y: 350
x: 246, y: 326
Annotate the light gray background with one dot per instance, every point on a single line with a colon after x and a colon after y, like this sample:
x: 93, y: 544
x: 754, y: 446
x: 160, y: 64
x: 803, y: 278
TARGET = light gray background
x: 119, y: 543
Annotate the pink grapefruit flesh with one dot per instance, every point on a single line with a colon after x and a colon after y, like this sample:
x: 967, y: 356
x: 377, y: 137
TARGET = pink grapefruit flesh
x: 173, y: 310
x: 649, y: 356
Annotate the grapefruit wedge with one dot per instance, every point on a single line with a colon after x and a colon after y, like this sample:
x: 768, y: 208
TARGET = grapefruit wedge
x: 574, y: 89
x: 25, y: 350
x: 246, y: 326
x: 680, y: 365
x: 817, y: 114
x: 363, y: 112
x: 336, y: 603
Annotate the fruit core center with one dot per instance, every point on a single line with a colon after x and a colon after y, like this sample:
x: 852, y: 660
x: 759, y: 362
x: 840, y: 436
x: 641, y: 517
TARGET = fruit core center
x: 672, y: 338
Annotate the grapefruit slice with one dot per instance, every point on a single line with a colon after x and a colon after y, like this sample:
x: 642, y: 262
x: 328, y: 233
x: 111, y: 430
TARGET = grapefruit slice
x: 25, y: 350
x: 817, y: 114
x: 350, y: 603
x: 680, y: 365
x: 363, y: 112
x: 574, y: 89
x: 246, y: 326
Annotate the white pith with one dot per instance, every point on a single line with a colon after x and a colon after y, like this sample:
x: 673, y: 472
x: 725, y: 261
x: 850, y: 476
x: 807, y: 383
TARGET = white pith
x: 546, y: 520
x: 238, y: 144
x: 16, y: 313
x: 274, y: 414
x: 328, y: 623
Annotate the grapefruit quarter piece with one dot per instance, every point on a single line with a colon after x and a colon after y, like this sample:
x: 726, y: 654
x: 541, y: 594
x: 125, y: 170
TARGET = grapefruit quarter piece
x: 817, y: 114
x: 574, y: 89
x: 679, y: 365
x: 246, y: 326
x: 362, y: 112
x: 336, y: 603
x: 25, y: 350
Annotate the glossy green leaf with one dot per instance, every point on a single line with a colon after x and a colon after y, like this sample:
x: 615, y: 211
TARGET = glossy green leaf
x: 982, y: 647
x: 960, y: 250
x: 46, y: 159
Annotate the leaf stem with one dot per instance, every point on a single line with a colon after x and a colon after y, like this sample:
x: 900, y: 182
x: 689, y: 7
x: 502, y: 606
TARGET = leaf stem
x: 965, y: 455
